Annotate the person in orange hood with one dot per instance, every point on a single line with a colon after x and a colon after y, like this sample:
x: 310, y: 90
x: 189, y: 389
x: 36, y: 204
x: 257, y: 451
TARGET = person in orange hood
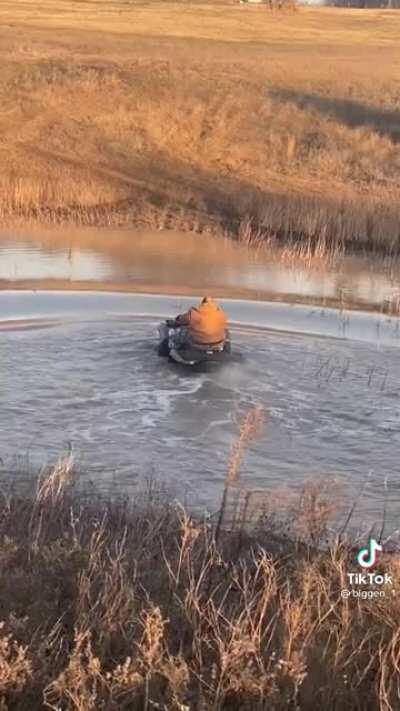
x: 205, y: 324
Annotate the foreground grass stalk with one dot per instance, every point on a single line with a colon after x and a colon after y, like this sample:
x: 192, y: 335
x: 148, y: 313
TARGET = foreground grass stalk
x: 249, y: 429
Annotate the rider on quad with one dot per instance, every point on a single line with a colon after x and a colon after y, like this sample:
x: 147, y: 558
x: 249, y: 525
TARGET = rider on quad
x: 201, y: 328
x: 202, y: 325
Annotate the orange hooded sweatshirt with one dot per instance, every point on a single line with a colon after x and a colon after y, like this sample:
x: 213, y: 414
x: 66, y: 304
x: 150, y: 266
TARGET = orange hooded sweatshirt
x: 206, y: 323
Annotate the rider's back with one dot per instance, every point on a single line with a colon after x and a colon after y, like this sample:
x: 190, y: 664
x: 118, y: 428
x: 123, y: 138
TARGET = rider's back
x: 207, y: 323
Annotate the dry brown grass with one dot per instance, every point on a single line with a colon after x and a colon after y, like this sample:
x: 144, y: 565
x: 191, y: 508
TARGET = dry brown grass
x: 134, y: 605
x: 195, y: 115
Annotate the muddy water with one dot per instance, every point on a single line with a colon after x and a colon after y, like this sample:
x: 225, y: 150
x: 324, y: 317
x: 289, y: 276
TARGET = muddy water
x: 168, y: 260
x: 88, y: 377
x: 79, y: 369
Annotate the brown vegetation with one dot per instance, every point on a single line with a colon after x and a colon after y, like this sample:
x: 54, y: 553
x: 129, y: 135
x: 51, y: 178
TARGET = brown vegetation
x: 202, y: 116
x: 116, y: 604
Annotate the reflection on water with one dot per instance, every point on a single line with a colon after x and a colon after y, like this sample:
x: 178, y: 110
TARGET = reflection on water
x: 24, y: 261
x: 182, y: 259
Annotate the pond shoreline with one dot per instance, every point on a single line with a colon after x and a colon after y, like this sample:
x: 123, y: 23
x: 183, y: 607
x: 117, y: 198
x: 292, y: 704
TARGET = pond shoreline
x: 248, y: 229
x: 166, y: 261
x: 52, y: 285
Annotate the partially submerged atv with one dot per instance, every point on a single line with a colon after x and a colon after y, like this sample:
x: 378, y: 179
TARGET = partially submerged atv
x: 190, y: 354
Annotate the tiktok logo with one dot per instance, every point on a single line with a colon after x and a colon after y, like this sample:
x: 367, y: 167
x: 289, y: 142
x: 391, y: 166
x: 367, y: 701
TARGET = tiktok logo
x: 366, y: 557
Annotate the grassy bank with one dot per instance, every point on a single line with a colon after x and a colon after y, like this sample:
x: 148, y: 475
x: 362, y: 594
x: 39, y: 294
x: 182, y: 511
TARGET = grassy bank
x: 202, y: 116
x: 131, y: 604
x: 106, y: 604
